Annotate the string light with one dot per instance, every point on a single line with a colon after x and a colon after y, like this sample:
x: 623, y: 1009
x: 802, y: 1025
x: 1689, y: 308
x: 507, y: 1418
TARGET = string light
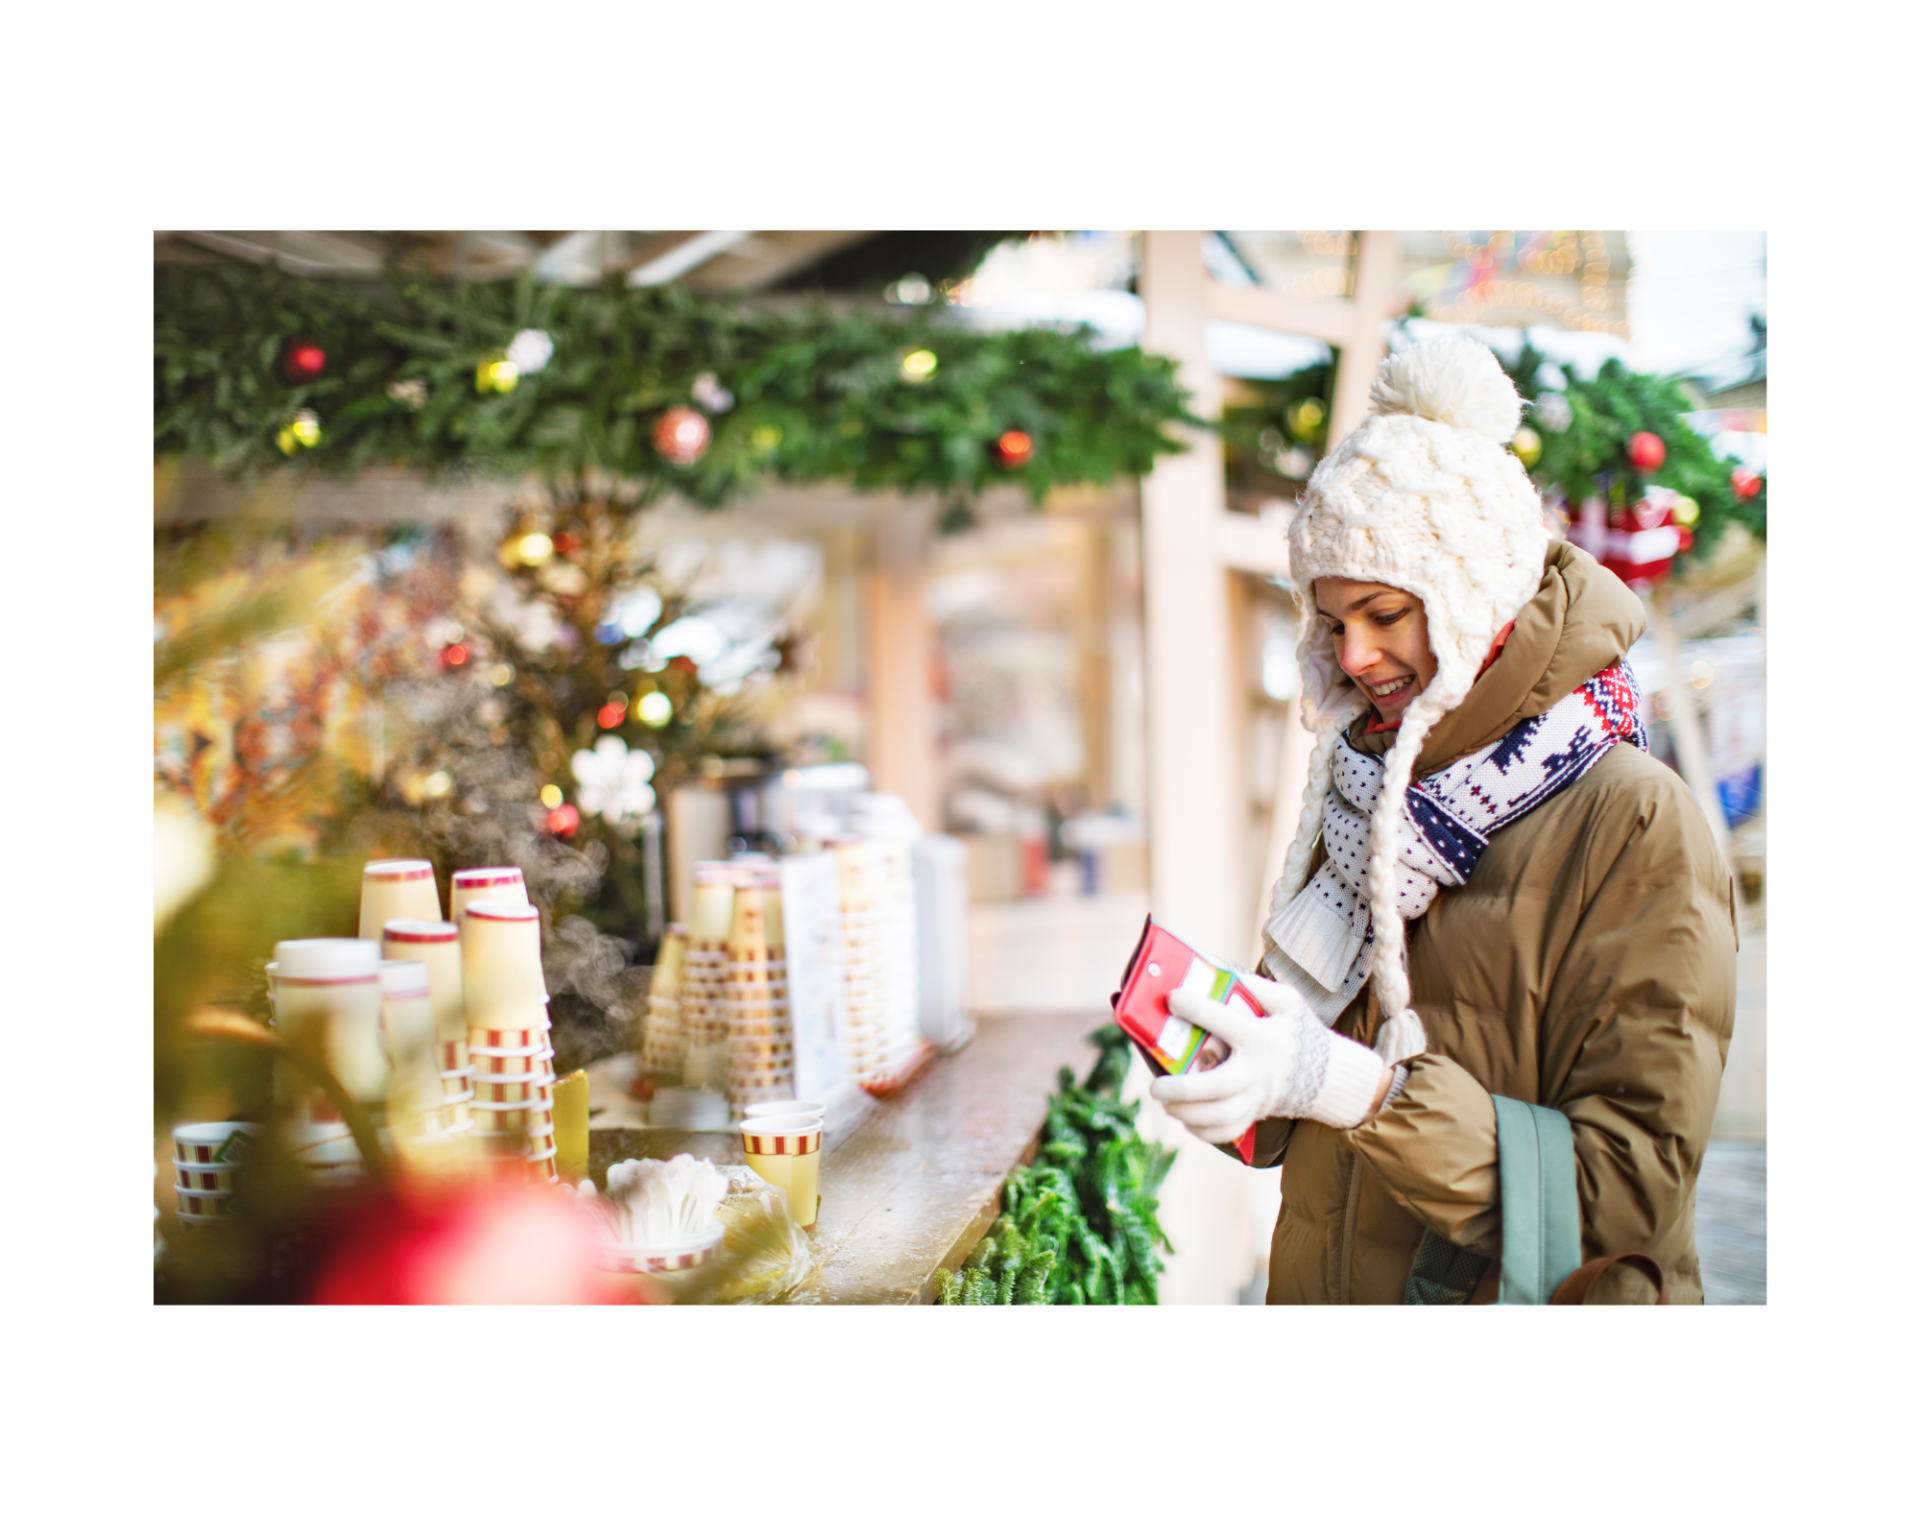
x: 552, y: 797
x: 917, y: 366
x: 654, y: 709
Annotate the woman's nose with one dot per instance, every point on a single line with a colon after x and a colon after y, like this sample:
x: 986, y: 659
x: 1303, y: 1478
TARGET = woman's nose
x: 1357, y: 653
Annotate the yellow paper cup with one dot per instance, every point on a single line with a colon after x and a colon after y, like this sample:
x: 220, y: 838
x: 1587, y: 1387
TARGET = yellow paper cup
x: 785, y: 1150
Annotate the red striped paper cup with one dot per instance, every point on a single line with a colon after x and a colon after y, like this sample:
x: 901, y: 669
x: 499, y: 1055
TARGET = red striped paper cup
x: 534, y: 1037
x: 510, y: 1061
x: 469, y: 885
x: 664, y: 1258
x: 199, y: 1178
x: 215, y: 1141
x: 453, y: 1056
x: 499, y: 1119
x: 531, y: 1089
x: 543, y: 1167
x: 784, y: 1136
x: 200, y: 1202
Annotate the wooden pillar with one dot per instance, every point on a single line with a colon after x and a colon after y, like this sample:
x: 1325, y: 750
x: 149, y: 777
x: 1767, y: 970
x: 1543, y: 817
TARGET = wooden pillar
x: 1194, y: 820
x: 1375, y: 269
x: 900, y: 714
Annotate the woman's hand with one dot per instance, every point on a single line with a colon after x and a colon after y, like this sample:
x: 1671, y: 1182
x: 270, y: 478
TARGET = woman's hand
x: 1287, y: 1065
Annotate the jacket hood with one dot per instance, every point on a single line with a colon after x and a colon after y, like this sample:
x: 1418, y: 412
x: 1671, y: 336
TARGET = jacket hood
x: 1583, y: 618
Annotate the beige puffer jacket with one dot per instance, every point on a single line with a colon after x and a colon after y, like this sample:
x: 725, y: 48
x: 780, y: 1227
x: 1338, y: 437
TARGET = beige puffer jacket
x: 1587, y: 963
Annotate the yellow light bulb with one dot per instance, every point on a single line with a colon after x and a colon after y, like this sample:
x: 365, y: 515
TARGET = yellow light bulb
x: 535, y: 549
x: 654, y: 709
x: 551, y: 797
x: 919, y: 365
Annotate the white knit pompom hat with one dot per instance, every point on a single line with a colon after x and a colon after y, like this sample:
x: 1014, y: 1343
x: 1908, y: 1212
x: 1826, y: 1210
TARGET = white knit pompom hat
x: 1423, y: 496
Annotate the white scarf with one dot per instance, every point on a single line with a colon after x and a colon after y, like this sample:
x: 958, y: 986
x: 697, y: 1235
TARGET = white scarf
x: 1323, y: 938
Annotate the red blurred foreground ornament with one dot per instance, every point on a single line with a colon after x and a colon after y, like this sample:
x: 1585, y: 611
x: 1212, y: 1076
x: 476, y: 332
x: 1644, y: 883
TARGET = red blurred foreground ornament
x: 304, y: 362
x: 681, y: 435
x: 1745, y: 483
x: 563, y: 820
x: 1646, y: 451
x: 481, y: 1245
x: 1013, y: 449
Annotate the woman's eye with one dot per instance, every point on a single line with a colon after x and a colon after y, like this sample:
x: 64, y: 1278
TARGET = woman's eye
x: 1390, y: 618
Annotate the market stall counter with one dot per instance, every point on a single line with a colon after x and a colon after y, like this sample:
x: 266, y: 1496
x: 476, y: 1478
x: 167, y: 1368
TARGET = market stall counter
x: 908, y: 1183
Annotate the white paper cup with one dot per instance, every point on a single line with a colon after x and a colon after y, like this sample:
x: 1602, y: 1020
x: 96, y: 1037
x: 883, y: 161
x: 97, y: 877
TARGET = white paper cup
x: 397, y: 889
x: 329, y: 998
x: 214, y: 1141
x: 500, y: 974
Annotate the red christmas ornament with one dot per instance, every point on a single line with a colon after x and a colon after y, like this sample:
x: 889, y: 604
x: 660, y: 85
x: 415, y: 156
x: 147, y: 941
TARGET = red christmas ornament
x: 611, y: 714
x: 304, y: 362
x: 1646, y: 451
x: 563, y: 820
x: 1746, y: 484
x: 681, y: 435
x: 455, y: 656
x: 1013, y: 449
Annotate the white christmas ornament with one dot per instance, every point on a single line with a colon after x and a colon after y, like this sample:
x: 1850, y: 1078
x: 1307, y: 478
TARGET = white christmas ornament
x: 615, y: 784
x: 530, y: 351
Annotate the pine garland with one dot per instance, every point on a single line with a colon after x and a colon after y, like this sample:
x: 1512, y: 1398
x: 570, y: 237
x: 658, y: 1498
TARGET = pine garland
x: 816, y: 396
x: 1080, y: 1224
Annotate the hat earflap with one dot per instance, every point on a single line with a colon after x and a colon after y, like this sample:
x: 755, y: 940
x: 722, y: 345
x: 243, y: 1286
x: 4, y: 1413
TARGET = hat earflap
x: 1400, y: 1034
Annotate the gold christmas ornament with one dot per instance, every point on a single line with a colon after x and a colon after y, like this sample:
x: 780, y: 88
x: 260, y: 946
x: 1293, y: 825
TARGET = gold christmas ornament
x: 1526, y: 446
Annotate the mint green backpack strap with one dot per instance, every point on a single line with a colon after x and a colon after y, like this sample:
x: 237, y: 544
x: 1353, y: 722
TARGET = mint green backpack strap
x: 1539, y: 1202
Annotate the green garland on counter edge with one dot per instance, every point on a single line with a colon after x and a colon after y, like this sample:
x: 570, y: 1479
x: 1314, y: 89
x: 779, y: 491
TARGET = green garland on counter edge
x: 816, y: 396
x: 1080, y: 1224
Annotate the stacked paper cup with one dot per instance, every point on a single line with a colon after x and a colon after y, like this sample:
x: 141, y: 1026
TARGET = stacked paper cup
x: 437, y: 947
x: 507, y: 1039
x: 204, y: 1159
x: 327, y: 1001
x: 431, y: 1135
x: 760, y: 1023
x: 864, y: 973
x: 664, y: 1050
x: 899, y: 935
x: 703, y: 991
x: 470, y: 885
x: 391, y: 888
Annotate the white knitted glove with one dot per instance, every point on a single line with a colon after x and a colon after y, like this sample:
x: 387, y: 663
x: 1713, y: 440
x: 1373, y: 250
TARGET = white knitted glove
x: 1288, y: 1065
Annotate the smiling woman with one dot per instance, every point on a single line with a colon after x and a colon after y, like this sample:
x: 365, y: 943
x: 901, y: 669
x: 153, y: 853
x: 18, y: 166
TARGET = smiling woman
x: 1495, y: 893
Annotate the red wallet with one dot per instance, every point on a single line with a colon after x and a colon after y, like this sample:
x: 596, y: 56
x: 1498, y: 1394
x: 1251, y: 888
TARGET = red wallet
x: 1161, y: 965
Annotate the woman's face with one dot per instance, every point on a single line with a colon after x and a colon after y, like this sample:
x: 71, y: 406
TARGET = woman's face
x: 1380, y: 636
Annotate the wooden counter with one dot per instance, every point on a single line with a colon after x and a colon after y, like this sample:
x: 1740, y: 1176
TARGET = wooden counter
x: 908, y: 1184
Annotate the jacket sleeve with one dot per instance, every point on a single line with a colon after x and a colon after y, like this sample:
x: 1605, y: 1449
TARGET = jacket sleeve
x: 1633, y: 1034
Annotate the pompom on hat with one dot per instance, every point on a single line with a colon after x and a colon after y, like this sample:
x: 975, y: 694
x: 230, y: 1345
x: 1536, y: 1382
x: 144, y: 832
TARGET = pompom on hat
x: 1422, y: 496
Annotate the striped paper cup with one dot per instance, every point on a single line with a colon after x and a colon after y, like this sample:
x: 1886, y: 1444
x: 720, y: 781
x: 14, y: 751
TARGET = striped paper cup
x: 781, y: 1136
x: 530, y: 1089
x: 664, y: 1258
x: 512, y: 1061
x: 533, y: 1037
x: 198, y: 1202
x: 453, y: 1056
x: 499, y: 1119
x: 214, y: 1141
x: 199, y: 1178
x: 543, y: 1167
